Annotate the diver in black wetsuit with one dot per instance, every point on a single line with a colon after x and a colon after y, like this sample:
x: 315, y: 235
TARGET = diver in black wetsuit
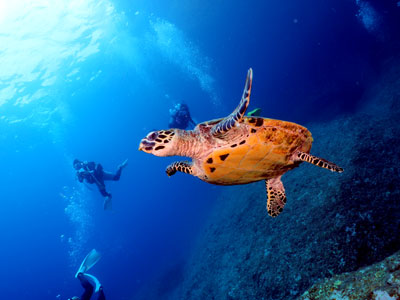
x: 92, y: 172
x: 180, y: 116
x: 86, y: 279
x: 87, y: 294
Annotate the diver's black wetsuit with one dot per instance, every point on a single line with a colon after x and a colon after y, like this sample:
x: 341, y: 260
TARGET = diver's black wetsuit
x: 94, y: 173
x: 180, y: 117
x: 87, y: 294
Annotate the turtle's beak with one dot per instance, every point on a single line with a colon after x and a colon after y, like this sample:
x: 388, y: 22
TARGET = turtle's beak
x: 157, y: 142
x: 146, y: 145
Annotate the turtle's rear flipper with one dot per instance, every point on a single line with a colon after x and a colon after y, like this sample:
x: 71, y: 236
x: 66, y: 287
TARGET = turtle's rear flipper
x: 320, y: 162
x: 276, y: 196
x: 237, y: 115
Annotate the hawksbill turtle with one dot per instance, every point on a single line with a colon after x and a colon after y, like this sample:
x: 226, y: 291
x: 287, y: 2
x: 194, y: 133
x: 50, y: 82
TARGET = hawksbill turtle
x: 239, y: 149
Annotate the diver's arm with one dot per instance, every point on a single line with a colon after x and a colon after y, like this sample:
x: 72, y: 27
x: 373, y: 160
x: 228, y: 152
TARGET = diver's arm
x: 79, y: 175
x: 85, y: 174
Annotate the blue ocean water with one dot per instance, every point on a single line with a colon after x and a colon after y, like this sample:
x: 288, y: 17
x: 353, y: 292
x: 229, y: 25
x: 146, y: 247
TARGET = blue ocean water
x: 88, y: 79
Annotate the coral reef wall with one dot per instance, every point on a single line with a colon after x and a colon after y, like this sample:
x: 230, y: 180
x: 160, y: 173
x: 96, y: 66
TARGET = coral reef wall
x: 332, y: 223
x: 380, y: 281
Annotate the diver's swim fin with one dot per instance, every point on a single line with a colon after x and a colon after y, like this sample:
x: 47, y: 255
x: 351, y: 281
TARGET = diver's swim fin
x: 90, y: 260
x: 96, y: 282
x: 107, y: 205
x: 124, y: 164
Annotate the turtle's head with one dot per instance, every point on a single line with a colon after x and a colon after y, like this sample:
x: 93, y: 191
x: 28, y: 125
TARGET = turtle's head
x: 159, y: 143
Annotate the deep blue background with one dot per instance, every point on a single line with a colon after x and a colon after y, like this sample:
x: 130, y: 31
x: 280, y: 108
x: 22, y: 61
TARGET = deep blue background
x: 312, y: 61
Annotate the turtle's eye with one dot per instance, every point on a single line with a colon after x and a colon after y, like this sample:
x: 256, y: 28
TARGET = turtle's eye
x: 152, y: 136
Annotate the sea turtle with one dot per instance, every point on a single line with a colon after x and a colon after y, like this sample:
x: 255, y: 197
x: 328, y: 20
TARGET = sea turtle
x: 239, y: 149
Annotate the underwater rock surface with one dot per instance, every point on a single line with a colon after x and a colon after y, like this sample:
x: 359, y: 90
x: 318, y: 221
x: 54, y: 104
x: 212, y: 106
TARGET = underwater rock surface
x: 380, y: 281
x: 332, y: 223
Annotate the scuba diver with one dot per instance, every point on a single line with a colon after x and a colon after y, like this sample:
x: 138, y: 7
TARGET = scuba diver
x: 92, y: 172
x: 87, y: 280
x: 180, y: 116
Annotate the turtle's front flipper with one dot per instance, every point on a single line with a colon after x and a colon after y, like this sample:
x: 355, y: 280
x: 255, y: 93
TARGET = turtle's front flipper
x: 237, y: 115
x: 181, y: 166
x: 276, y: 196
x: 320, y: 162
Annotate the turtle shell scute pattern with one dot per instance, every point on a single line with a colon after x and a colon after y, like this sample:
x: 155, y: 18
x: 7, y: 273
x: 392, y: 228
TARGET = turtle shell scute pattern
x: 264, y: 152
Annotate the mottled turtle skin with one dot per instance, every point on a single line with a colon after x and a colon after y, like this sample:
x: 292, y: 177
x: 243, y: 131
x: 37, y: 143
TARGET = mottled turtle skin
x: 239, y: 149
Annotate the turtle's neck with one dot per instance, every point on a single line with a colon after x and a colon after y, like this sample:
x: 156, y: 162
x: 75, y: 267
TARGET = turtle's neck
x: 187, y: 144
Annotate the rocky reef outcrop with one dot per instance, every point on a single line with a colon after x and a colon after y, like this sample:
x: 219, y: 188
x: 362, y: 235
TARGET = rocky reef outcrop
x: 380, y: 281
